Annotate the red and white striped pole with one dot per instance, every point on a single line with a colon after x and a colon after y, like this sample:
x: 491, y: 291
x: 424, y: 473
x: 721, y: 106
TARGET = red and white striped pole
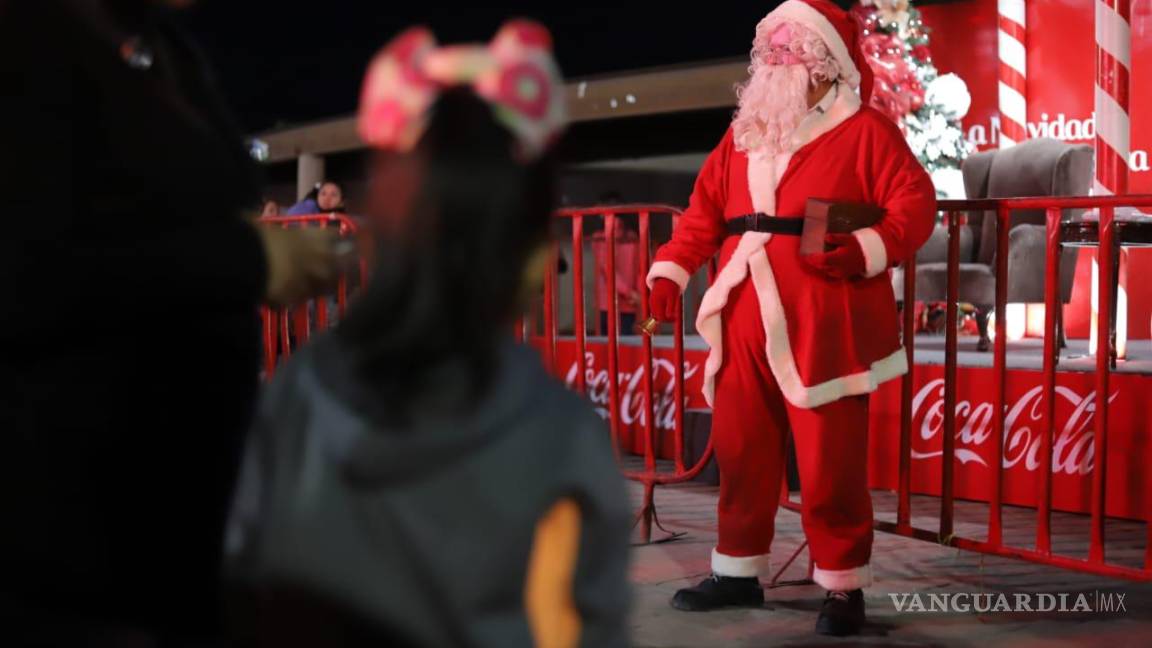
x: 1013, y: 72
x: 1013, y: 93
x: 1113, y: 60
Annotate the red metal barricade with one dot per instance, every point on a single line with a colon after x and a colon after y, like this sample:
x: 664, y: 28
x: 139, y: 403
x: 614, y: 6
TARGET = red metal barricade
x: 944, y: 533
x: 610, y: 217
x: 285, y: 329
x: 994, y: 544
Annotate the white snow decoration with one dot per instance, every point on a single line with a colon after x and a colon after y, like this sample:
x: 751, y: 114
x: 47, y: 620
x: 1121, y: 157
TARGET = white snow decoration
x: 950, y: 93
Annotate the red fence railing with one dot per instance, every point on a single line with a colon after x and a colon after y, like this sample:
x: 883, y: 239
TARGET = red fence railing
x: 582, y: 222
x: 1059, y: 232
x: 285, y: 329
x: 1107, y: 233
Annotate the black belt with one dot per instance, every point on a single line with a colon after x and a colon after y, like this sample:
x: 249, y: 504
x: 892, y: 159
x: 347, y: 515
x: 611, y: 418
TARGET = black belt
x: 790, y: 226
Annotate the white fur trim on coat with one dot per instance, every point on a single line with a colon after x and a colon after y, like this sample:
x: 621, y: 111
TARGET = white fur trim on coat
x: 815, y: 124
x: 708, y: 322
x: 751, y: 258
x: 669, y: 270
x: 803, y: 13
x: 764, y: 173
x: 843, y: 580
x: 875, y: 254
x: 740, y: 566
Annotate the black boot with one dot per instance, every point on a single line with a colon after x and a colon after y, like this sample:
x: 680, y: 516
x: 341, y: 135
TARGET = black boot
x: 842, y: 614
x: 718, y: 592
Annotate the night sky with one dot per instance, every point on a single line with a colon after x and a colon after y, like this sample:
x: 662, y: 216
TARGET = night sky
x: 285, y: 62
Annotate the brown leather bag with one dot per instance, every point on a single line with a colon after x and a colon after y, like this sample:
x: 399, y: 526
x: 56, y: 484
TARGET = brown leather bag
x: 823, y: 217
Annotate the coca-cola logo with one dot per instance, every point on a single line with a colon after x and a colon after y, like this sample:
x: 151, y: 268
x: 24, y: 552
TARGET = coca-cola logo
x: 633, y: 410
x: 1073, y: 451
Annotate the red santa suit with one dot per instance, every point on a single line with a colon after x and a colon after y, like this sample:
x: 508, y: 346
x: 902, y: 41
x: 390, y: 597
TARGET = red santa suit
x: 790, y: 347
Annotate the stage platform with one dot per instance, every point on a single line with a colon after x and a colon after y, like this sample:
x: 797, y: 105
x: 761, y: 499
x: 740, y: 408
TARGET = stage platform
x: 901, y: 566
x: 1129, y: 442
x: 1027, y: 354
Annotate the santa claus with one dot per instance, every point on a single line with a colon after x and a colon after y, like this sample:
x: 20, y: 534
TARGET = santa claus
x: 797, y: 343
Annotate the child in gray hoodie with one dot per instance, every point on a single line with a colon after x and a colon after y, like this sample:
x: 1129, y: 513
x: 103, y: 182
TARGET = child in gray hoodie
x: 415, y: 477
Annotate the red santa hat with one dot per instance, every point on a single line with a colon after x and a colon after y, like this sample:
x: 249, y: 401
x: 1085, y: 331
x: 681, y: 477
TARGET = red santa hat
x: 839, y: 32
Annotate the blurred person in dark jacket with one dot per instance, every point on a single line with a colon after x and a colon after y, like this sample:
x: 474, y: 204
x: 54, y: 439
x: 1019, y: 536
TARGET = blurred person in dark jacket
x: 415, y: 477
x: 129, y: 329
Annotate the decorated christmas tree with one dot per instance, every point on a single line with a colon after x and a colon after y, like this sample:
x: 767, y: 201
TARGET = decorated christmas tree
x: 925, y: 104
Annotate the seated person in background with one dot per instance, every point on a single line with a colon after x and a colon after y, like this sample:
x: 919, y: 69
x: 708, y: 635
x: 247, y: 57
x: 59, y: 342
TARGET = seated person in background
x: 627, y: 280
x: 326, y: 198
x: 414, y: 476
x: 271, y: 209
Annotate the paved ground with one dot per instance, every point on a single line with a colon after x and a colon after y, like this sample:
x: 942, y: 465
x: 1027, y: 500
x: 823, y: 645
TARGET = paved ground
x: 901, y: 566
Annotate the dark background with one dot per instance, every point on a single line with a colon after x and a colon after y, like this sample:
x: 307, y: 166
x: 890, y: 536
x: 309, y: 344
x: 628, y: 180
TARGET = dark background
x: 286, y: 63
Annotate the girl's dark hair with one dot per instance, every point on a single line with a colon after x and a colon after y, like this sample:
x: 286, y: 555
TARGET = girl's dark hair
x: 448, y: 276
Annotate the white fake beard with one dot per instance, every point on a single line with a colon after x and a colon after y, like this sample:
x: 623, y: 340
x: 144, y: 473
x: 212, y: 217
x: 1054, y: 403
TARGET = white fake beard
x: 771, y: 105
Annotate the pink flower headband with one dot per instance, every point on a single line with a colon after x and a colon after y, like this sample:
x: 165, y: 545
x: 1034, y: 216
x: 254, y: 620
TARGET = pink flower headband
x: 515, y: 73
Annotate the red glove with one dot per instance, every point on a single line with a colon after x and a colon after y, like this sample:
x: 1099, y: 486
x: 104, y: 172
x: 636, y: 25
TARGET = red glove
x: 846, y: 261
x: 662, y: 300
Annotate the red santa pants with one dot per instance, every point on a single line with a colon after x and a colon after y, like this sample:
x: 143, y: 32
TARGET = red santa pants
x: 751, y: 419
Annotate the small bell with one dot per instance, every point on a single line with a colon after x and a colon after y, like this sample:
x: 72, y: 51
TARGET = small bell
x: 136, y: 54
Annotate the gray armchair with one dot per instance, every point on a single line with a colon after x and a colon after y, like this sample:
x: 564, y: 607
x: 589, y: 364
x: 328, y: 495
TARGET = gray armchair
x: 1038, y: 167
